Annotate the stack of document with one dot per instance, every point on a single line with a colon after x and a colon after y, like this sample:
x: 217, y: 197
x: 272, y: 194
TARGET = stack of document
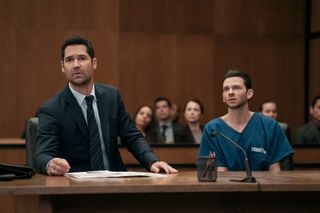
x: 111, y: 174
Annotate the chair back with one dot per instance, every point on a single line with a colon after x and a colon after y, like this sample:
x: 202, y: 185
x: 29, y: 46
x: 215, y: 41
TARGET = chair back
x: 31, y: 132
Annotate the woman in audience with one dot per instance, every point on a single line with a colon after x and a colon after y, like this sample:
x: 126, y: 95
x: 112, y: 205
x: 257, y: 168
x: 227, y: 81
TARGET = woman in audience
x: 143, y: 118
x: 193, y: 111
x: 269, y: 108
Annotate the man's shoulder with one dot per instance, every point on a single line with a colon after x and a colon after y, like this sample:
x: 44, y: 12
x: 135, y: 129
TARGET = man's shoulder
x: 306, y: 128
x: 265, y: 119
x: 283, y: 125
x: 213, y: 124
x: 105, y: 87
x: 107, y: 91
x: 215, y: 121
x: 56, y: 99
x: 153, y: 126
x: 178, y: 126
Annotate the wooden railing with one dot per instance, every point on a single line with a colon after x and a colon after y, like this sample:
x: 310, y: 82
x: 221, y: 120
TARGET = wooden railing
x: 12, y: 150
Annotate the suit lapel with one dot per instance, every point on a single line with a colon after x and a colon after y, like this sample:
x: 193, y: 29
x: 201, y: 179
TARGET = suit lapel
x: 73, y: 108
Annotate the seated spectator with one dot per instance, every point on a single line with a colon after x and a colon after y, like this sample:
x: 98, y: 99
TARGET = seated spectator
x: 143, y: 118
x: 310, y: 132
x: 269, y: 108
x: 163, y: 130
x: 175, y: 113
x: 193, y: 111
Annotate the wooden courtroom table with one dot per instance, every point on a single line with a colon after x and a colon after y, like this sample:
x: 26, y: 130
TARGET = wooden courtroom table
x: 292, y: 191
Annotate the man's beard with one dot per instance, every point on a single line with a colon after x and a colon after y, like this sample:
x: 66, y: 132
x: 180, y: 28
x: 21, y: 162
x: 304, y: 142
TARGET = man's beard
x: 83, y: 82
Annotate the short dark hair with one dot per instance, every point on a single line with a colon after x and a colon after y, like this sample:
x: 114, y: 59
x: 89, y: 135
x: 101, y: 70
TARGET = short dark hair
x: 314, y: 100
x: 161, y: 98
x: 77, y: 40
x: 238, y: 73
x: 196, y: 101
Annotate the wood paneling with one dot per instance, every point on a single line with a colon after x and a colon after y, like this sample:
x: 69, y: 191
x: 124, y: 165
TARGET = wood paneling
x: 314, y: 68
x: 284, y: 17
x: 12, y: 151
x: 178, y: 67
x: 8, y: 91
x: 314, y: 74
x: 179, y: 49
x: 167, y: 16
x: 315, y: 16
x: 32, y: 33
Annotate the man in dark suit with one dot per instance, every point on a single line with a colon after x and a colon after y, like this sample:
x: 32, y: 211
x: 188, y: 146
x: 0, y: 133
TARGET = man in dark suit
x: 309, y: 134
x: 163, y: 130
x: 78, y: 127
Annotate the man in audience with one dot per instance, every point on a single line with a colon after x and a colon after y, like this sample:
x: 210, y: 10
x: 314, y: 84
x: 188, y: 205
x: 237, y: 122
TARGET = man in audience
x: 310, y: 132
x: 261, y: 137
x: 163, y: 130
x: 78, y: 127
x: 175, y: 113
x: 269, y: 108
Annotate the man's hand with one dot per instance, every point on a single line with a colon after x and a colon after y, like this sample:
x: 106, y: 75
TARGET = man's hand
x: 275, y: 167
x: 160, y: 166
x: 58, y: 166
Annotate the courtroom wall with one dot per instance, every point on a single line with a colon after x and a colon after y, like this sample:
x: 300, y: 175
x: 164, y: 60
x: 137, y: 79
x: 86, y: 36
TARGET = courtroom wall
x: 175, y: 48
x: 314, y: 62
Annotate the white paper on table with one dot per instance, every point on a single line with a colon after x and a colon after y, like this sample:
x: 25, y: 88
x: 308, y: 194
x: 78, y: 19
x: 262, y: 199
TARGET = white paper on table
x: 111, y: 174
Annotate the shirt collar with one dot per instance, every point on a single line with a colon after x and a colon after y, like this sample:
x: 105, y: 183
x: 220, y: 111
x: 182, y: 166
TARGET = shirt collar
x: 81, y: 97
x: 168, y: 123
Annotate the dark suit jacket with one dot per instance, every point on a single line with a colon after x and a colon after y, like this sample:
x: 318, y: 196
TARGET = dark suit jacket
x: 179, y: 133
x: 308, y: 134
x: 62, y: 131
x: 189, y: 133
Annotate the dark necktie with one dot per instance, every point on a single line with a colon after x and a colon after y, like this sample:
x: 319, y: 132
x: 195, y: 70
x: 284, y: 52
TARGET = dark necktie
x: 96, y: 159
x: 164, y: 128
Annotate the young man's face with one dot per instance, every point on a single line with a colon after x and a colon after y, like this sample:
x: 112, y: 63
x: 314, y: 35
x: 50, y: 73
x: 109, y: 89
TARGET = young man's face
x: 235, y: 93
x: 315, y: 111
x: 77, y: 65
x: 162, y: 111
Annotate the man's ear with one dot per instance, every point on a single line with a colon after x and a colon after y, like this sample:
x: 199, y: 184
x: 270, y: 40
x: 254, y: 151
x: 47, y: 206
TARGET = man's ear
x: 249, y: 94
x: 94, y: 63
x: 62, y: 68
